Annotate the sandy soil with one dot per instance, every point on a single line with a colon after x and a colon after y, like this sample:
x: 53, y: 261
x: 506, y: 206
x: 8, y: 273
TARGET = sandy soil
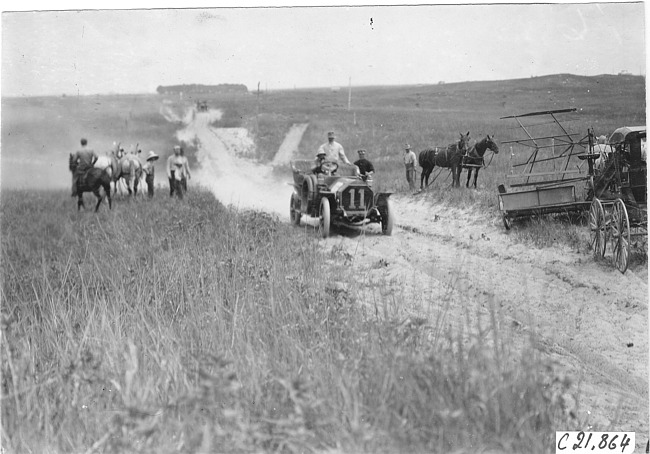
x: 453, y: 263
x: 290, y: 144
x: 587, y: 316
x: 225, y: 170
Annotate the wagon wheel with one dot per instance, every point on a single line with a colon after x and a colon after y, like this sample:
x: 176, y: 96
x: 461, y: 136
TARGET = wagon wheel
x: 387, y: 218
x: 507, y: 223
x: 294, y: 214
x: 597, y: 232
x: 620, y: 235
x: 324, y: 223
x: 506, y: 220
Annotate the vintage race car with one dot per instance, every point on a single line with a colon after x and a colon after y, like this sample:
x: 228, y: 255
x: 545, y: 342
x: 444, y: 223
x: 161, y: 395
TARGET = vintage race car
x: 337, y: 196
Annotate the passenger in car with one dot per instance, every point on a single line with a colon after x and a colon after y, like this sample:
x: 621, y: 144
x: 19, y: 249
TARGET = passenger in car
x: 365, y: 167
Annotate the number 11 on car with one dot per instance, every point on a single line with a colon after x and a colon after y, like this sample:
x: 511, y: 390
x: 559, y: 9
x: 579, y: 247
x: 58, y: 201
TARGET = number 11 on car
x: 594, y: 442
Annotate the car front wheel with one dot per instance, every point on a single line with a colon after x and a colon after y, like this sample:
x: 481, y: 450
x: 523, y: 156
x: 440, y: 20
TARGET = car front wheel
x: 294, y: 214
x: 325, y: 217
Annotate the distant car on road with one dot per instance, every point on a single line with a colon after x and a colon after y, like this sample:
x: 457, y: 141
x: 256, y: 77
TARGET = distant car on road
x: 338, y: 197
x: 202, y: 106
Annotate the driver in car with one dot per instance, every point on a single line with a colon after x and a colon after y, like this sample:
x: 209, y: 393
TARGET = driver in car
x: 320, y: 159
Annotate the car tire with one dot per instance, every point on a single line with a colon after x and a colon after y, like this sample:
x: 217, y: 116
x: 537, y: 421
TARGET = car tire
x: 387, y: 218
x: 294, y: 214
x: 325, y: 220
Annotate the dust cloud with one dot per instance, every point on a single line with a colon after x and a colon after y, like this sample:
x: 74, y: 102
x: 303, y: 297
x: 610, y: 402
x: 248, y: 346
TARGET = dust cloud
x: 225, y: 170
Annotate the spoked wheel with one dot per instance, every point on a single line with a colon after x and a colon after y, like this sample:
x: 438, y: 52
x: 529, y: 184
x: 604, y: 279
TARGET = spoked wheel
x: 597, y: 232
x: 506, y: 220
x: 507, y: 223
x: 387, y: 218
x: 620, y: 236
x: 294, y: 214
x: 325, y: 220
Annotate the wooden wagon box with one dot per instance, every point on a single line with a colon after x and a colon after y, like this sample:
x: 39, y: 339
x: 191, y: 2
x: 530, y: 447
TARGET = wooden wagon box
x: 537, y: 198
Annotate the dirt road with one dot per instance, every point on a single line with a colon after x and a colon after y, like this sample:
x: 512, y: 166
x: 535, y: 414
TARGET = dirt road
x: 450, y: 262
x: 587, y: 316
x: 225, y: 169
x: 290, y: 144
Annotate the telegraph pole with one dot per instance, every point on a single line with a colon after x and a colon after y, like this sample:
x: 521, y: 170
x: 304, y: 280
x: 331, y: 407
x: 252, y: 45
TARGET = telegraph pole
x: 350, y: 93
x: 257, y: 120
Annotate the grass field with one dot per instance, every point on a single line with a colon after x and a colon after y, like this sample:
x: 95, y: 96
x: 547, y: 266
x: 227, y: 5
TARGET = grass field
x: 164, y: 326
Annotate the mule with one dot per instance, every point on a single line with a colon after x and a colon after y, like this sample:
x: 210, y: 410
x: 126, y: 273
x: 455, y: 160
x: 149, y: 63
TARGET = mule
x: 123, y: 165
x: 130, y: 169
x: 474, y: 157
x: 92, y: 181
x: 449, y: 157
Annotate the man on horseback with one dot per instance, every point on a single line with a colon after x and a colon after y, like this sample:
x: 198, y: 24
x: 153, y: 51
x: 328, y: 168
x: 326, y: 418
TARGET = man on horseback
x: 409, y: 162
x: 83, y: 160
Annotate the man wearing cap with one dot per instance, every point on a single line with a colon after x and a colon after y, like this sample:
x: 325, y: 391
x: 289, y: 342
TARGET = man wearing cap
x: 333, y: 150
x: 604, y: 150
x: 320, y: 158
x: 84, y: 160
x: 365, y: 167
x: 409, y: 162
x: 177, y: 169
x: 148, y: 169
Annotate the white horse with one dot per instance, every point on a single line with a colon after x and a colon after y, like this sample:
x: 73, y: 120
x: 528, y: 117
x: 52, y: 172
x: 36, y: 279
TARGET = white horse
x: 122, y: 165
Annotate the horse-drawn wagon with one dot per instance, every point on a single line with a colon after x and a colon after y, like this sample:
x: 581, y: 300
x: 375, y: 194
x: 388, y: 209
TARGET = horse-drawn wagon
x: 612, y: 185
x: 618, y: 211
x: 552, y: 177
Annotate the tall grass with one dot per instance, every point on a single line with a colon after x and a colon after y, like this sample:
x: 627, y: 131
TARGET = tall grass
x: 168, y: 326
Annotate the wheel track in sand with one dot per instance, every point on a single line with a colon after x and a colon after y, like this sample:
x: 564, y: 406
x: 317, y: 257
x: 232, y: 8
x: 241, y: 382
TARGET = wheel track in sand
x: 583, y: 313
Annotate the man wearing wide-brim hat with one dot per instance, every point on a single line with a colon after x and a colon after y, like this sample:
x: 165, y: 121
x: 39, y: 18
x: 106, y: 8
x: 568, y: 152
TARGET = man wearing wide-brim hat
x: 148, y: 170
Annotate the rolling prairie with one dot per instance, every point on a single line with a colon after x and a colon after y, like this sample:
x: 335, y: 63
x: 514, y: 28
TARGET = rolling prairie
x: 192, y: 326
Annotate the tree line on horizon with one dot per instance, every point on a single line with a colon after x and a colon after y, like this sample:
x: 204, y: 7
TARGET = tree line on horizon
x: 199, y: 88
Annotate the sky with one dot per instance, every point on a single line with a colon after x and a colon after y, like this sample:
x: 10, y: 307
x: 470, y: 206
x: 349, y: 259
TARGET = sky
x: 136, y: 50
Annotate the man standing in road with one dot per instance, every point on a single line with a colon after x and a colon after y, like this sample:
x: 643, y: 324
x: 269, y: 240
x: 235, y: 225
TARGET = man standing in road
x: 365, y: 167
x: 333, y: 150
x: 84, y: 160
x: 409, y: 162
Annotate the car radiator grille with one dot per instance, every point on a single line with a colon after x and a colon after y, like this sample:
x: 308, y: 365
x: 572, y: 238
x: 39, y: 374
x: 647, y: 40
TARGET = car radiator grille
x: 356, y: 199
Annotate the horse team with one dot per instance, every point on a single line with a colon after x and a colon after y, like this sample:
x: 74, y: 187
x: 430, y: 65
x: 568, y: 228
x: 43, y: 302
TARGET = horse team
x: 109, y: 168
x: 456, y: 157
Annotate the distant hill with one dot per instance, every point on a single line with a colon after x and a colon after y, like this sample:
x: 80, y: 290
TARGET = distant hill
x: 198, y: 88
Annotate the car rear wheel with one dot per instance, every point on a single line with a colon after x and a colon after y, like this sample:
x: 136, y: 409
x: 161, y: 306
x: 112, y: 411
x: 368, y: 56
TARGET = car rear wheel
x: 325, y: 217
x: 294, y: 214
x: 387, y: 218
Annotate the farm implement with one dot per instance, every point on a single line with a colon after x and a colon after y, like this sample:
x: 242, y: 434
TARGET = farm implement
x: 619, y: 210
x: 544, y: 176
x: 551, y: 177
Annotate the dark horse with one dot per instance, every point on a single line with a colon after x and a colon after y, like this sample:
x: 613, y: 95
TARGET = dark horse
x: 92, y: 181
x: 474, y: 157
x: 449, y: 157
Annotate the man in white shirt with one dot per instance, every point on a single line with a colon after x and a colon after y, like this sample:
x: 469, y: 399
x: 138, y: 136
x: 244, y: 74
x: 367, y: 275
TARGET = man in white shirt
x: 604, y: 150
x: 409, y: 162
x: 177, y: 170
x: 333, y: 150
